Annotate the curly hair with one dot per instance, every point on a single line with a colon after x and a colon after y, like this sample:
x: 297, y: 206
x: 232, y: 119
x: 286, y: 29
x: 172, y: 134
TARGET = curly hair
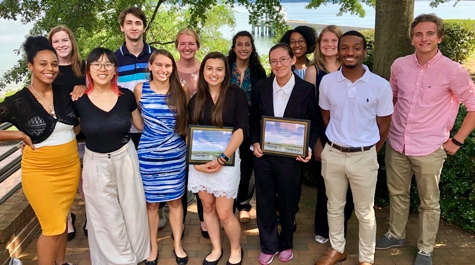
x: 308, y: 33
x: 255, y: 65
x: 429, y: 18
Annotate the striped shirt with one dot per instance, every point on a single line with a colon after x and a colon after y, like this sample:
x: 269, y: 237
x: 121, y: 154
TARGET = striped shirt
x: 132, y: 69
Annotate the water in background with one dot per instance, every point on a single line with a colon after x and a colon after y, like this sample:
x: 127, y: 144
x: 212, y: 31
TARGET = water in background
x: 12, y: 33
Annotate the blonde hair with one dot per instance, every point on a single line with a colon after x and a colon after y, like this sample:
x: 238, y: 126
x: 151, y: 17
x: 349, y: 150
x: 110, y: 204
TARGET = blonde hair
x: 76, y: 61
x: 188, y: 32
x: 319, y: 58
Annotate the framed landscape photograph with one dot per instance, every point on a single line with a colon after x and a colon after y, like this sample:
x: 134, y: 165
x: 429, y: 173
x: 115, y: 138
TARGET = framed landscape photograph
x: 284, y: 136
x: 206, y: 143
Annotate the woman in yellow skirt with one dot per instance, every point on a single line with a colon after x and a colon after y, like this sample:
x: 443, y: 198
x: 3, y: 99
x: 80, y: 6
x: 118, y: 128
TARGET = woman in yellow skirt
x: 45, y: 118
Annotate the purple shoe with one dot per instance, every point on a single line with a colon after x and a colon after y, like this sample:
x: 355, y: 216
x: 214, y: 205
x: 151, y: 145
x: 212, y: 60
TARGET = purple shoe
x: 286, y: 255
x: 265, y: 259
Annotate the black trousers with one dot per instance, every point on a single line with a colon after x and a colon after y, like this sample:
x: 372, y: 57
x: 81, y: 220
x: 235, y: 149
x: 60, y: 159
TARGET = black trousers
x: 246, y: 188
x: 135, y: 137
x: 281, y: 176
x: 321, y: 220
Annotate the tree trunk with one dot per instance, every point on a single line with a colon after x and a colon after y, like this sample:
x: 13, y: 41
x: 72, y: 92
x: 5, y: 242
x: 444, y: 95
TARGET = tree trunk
x: 392, y: 40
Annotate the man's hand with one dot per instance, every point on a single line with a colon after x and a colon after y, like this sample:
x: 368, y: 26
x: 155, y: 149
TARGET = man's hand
x: 450, y: 148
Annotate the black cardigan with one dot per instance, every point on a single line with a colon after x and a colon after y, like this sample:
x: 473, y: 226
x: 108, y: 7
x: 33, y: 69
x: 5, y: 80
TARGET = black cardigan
x: 25, y: 112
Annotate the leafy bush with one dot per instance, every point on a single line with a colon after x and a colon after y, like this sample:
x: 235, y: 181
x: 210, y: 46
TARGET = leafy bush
x: 459, y: 40
x: 369, y: 35
x: 457, y: 186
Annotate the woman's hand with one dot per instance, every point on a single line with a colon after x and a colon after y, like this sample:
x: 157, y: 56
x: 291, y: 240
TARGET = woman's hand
x: 257, y: 150
x: 78, y: 91
x: 27, y: 140
x: 305, y: 160
x: 212, y: 166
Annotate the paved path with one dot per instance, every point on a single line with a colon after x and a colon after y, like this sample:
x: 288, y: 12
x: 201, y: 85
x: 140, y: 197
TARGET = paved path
x: 454, y: 246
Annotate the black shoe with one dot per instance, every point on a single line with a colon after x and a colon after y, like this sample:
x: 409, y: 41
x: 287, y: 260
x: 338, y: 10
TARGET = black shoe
x: 72, y: 235
x: 153, y: 262
x: 204, y: 233
x: 205, y: 262
x: 84, y: 229
x: 180, y: 261
x: 182, y: 234
x: 240, y: 262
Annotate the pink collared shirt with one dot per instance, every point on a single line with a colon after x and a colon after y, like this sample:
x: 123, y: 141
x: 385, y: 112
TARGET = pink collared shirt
x: 428, y: 98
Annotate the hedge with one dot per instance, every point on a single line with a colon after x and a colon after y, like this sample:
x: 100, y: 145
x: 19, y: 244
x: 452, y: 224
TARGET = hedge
x: 458, y: 42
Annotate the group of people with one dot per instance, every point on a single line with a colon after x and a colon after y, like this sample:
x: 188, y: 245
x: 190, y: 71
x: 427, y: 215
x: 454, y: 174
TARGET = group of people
x: 133, y: 107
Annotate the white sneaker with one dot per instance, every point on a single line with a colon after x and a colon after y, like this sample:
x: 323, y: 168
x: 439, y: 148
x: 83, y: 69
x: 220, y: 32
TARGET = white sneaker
x: 162, y: 221
x: 321, y: 239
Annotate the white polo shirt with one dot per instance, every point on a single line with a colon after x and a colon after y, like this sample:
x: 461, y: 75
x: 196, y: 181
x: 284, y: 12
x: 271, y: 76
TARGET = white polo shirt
x: 354, y: 107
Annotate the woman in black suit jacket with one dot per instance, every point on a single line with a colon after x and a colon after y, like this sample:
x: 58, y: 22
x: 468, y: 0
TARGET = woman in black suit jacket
x: 283, y: 95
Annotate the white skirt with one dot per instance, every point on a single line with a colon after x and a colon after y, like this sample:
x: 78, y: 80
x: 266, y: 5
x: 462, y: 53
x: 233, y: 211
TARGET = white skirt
x: 222, y: 183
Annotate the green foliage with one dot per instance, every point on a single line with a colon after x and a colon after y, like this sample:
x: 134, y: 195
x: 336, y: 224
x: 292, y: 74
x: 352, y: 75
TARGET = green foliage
x: 459, y: 39
x: 95, y: 23
x: 351, y: 6
x: 458, y: 42
x: 369, y: 35
x: 457, y: 186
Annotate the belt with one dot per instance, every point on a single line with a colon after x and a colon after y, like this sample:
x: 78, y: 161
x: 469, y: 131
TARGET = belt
x: 350, y: 149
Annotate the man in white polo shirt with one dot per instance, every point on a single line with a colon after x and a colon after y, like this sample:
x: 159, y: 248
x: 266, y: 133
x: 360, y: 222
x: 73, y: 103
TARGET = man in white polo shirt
x: 356, y: 108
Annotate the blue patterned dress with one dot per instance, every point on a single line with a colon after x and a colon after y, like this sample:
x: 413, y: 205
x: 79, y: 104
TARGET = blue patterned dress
x: 162, y: 152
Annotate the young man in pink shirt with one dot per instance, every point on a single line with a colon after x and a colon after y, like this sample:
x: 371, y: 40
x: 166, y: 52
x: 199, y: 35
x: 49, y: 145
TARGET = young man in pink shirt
x: 427, y: 88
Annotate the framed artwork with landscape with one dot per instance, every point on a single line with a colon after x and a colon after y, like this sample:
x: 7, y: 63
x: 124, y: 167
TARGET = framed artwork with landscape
x: 284, y: 136
x: 206, y: 143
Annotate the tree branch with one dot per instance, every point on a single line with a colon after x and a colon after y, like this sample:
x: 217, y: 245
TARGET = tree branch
x: 159, y: 3
x: 161, y: 43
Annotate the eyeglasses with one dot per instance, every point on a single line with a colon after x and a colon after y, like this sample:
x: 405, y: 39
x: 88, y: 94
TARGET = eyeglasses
x: 282, y: 61
x: 300, y: 42
x: 98, y: 66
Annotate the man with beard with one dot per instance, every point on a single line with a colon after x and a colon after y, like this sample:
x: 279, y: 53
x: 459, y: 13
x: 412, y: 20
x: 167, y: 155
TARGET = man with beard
x: 356, y: 108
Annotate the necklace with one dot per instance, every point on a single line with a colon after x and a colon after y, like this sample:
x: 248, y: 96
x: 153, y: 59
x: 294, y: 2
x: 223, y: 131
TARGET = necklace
x: 51, y: 106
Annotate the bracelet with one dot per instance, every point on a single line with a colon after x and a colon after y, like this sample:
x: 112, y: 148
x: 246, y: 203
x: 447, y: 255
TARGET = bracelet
x: 219, y: 161
x: 456, y: 142
x: 223, y: 156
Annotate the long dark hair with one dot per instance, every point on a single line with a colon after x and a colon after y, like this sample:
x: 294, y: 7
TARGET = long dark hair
x: 177, y: 99
x: 203, y: 90
x: 255, y: 65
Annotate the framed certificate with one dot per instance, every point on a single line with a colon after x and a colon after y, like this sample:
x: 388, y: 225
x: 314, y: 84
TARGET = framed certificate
x: 206, y: 143
x: 284, y: 136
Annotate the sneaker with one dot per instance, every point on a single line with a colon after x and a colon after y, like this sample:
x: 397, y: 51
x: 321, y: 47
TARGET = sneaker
x: 162, y: 221
x: 321, y: 239
x: 286, y: 255
x: 265, y: 259
x: 423, y: 258
x: 387, y: 241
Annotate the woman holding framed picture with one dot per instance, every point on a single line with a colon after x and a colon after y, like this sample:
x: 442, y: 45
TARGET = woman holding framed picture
x: 219, y: 104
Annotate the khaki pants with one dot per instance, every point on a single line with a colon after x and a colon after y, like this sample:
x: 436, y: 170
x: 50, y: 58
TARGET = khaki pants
x: 360, y: 170
x: 116, y: 210
x: 427, y: 169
